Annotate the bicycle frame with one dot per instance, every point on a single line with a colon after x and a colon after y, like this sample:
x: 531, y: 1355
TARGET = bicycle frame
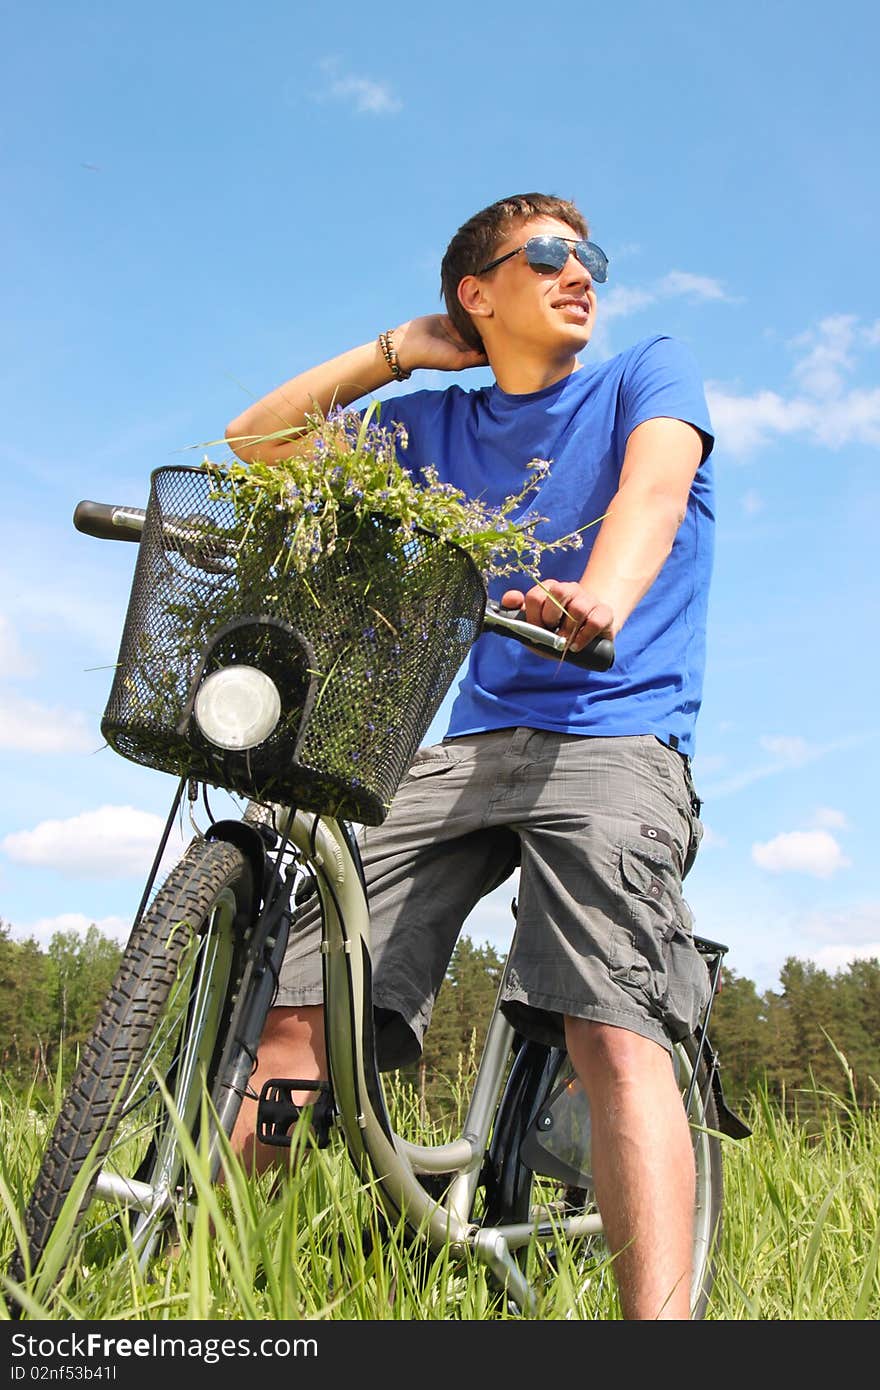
x: 371, y: 1141
x: 375, y: 1148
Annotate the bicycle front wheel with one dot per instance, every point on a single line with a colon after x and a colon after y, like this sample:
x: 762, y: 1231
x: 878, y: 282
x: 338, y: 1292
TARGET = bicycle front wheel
x: 540, y: 1171
x: 117, y: 1150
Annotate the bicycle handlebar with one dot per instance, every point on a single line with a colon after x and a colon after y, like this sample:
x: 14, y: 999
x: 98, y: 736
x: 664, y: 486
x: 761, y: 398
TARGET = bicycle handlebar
x: 114, y: 523
x: 109, y: 523
x: 597, y: 655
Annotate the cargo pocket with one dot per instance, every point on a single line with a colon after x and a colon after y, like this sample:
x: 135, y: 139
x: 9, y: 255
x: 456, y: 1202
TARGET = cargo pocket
x: 431, y: 761
x: 664, y: 966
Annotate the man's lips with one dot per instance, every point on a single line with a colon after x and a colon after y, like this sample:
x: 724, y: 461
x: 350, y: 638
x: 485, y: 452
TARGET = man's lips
x: 580, y: 307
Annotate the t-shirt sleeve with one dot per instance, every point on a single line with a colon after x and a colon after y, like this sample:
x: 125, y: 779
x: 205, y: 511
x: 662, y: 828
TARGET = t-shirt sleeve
x: 663, y: 380
x: 390, y: 414
x: 406, y: 410
x: 426, y: 417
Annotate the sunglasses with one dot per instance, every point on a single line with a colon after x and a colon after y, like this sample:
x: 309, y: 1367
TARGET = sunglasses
x: 548, y: 254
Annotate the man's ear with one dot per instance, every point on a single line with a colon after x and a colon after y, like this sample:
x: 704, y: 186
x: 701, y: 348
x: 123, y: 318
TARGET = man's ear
x: 473, y: 299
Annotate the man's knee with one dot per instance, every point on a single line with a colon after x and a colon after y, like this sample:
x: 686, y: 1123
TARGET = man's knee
x: 603, y: 1053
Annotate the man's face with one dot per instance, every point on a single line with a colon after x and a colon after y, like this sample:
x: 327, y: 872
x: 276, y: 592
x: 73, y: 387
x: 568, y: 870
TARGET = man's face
x: 554, y: 310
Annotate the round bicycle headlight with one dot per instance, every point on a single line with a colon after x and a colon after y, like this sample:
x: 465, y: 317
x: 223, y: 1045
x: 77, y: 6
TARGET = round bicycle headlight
x: 237, y: 707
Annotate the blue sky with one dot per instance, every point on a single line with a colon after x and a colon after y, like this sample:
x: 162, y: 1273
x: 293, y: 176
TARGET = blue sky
x: 202, y: 200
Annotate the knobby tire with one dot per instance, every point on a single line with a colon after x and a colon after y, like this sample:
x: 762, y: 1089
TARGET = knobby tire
x: 173, y: 991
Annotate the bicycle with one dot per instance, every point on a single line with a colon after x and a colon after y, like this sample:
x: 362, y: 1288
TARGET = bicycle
x: 185, y: 1014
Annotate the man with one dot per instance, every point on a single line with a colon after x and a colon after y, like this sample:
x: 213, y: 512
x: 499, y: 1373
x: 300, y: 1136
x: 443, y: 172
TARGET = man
x: 583, y: 779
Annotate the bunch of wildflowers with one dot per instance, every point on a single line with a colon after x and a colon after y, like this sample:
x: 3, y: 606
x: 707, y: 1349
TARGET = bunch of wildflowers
x: 351, y: 470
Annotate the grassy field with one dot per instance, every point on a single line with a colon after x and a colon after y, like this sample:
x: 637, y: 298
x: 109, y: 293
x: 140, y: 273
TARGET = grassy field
x: 801, y: 1240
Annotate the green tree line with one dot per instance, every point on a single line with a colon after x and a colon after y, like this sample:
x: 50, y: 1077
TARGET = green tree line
x: 788, y: 1040
x: 800, y: 1040
x: 819, y: 1033
x: 49, y: 999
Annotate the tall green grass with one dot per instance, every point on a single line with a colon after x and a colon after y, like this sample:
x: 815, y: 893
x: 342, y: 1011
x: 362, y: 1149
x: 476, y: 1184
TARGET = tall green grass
x: 801, y: 1238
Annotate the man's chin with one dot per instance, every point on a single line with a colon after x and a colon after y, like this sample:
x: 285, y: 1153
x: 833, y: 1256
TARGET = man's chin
x: 576, y: 335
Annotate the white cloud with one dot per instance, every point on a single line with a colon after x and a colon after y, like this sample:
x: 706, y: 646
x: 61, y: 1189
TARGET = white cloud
x: 813, y: 852
x: 374, y: 97
x: 828, y: 355
x: 824, y: 408
x: 699, y: 286
x: 44, y: 928
x: 86, y: 607
x: 622, y: 300
x: 111, y: 842
x: 13, y: 659
x: 752, y: 502
x: 855, y: 418
x: 858, y: 922
x: 708, y: 764
x: 787, y: 753
x: 743, y: 422
x: 366, y: 96
x: 29, y: 727
x: 848, y: 934
x: 789, y: 748
x: 834, y: 958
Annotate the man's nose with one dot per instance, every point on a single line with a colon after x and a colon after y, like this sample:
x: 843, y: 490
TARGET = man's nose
x: 575, y: 273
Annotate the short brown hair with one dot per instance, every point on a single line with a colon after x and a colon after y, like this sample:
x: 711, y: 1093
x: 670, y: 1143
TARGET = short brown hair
x: 475, y: 242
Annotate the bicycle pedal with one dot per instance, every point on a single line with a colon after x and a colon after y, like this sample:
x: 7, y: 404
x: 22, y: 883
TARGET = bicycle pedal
x: 278, y: 1112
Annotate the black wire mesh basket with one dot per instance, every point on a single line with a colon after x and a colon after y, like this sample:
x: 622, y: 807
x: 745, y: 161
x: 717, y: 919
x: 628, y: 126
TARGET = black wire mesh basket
x: 361, y: 649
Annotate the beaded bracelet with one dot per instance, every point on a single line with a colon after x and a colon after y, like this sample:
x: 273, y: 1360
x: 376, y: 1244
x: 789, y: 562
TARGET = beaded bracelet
x: 389, y: 352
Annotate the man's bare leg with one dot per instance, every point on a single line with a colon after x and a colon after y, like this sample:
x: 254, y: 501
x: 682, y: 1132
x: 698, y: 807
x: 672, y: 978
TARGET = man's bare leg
x: 292, y: 1045
x: 643, y: 1165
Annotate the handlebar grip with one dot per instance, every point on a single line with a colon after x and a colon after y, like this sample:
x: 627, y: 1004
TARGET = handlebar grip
x: 192, y: 536
x: 597, y: 655
x: 107, y: 522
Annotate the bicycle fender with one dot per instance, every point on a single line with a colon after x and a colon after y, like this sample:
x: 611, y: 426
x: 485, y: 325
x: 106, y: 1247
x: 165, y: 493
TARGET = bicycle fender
x: 728, y: 1122
x: 246, y: 838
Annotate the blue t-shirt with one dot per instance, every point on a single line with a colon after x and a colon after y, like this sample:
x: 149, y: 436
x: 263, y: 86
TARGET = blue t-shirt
x: 482, y: 442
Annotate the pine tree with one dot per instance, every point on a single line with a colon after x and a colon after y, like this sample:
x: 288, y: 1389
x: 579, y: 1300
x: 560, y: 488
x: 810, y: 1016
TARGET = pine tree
x: 738, y: 1031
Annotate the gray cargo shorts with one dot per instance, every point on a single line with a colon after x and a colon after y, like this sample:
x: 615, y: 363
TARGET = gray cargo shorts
x: 603, y: 830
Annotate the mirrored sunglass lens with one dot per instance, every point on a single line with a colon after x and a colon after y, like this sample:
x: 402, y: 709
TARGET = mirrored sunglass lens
x: 546, y: 252
x: 594, y: 259
x: 549, y: 253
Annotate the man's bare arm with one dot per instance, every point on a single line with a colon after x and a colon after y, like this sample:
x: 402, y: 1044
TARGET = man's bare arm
x: 634, y: 541
x: 427, y: 342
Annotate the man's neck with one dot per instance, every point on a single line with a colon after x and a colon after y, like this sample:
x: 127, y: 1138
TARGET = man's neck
x: 520, y: 374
